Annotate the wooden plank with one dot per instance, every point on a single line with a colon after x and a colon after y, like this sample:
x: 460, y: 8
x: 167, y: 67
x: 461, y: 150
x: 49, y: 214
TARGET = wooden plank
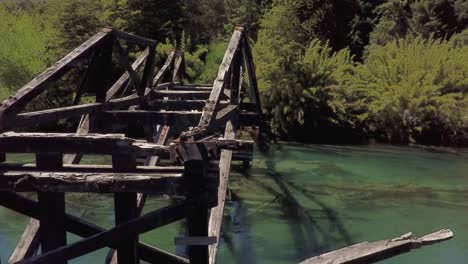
x: 212, y: 104
x: 45, y: 116
x: 52, y: 231
x: 70, y: 143
x: 194, y: 95
x: 178, y: 105
x: 125, y: 206
x: 236, y: 80
x: 85, y: 168
x: 192, y: 88
x: 26, y: 181
x: 125, y: 77
x: 111, y: 237
x: 123, y: 55
x: 16, y: 103
x: 147, y: 78
x: 197, y: 218
x: 177, y: 74
x: 216, y: 214
x: 371, y: 252
x: 164, y: 69
x: 251, y: 72
x: 131, y: 38
x: 28, y: 243
x: 152, y: 117
x: 84, y: 228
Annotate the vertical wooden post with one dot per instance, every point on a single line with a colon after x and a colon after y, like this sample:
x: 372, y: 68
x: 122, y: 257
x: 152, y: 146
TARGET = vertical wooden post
x: 52, y: 230
x: 197, y: 218
x: 2, y: 157
x: 103, y: 65
x: 125, y: 210
x: 236, y: 81
x: 147, y: 78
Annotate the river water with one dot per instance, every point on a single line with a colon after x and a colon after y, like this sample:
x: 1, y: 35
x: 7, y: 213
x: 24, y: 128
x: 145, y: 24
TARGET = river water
x: 305, y: 200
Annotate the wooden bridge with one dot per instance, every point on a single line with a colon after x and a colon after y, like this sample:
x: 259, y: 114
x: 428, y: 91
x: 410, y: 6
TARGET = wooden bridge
x: 189, y: 138
x: 187, y: 143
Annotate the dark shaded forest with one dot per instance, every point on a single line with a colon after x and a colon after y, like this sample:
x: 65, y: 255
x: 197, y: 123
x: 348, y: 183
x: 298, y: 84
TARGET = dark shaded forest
x: 337, y: 71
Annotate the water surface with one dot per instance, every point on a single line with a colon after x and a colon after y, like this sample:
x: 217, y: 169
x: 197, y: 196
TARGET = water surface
x: 305, y: 200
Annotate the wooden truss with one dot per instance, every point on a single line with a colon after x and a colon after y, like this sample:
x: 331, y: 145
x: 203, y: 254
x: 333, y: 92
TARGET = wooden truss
x: 188, y: 148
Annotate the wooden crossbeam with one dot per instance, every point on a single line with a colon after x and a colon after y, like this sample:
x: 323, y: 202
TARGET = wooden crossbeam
x: 251, y: 72
x: 194, y: 94
x: 216, y: 214
x: 131, y: 38
x: 164, y: 69
x: 16, y: 102
x: 71, y: 143
x: 78, y: 168
x: 111, y: 237
x: 28, y: 243
x: 84, y: 228
x: 371, y: 252
x: 28, y: 181
x: 189, y: 118
x: 126, y: 76
x: 45, y: 116
x: 212, y: 104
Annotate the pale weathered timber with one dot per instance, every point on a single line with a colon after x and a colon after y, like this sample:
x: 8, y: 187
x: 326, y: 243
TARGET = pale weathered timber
x: 71, y: 143
x: 251, y: 72
x: 164, y: 69
x: 28, y: 243
x: 45, y: 116
x: 219, y: 84
x: 216, y: 214
x: 173, y: 94
x: 125, y: 77
x: 16, y: 102
x: 371, y: 252
x: 84, y: 228
x: 27, y: 181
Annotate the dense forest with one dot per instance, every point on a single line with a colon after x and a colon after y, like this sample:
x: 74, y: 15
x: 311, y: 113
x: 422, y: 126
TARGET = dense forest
x: 329, y: 70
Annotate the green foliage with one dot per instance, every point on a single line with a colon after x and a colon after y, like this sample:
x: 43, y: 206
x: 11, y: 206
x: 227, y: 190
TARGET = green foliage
x: 193, y: 59
x: 213, y: 59
x: 23, y: 45
x: 436, y: 18
x: 412, y: 86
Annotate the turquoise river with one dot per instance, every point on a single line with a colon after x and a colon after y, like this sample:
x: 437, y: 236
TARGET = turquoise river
x: 304, y: 200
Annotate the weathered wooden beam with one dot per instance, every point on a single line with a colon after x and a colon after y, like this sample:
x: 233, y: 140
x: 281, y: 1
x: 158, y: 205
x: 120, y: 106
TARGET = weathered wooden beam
x: 371, y: 252
x: 123, y: 54
x: 236, y: 80
x: 84, y: 228
x: 189, y: 118
x: 71, y: 143
x: 178, y: 72
x: 194, y: 95
x: 27, y: 181
x: 209, y: 111
x: 175, y: 105
x: 85, y: 168
x: 216, y: 214
x: 152, y: 117
x: 125, y: 205
x: 111, y: 237
x: 44, y: 116
x: 131, y: 38
x: 125, y: 77
x: 52, y: 231
x: 147, y: 78
x: 164, y: 69
x: 251, y: 72
x: 16, y: 102
x: 197, y: 218
x: 192, y: 88
x: 28, y: 244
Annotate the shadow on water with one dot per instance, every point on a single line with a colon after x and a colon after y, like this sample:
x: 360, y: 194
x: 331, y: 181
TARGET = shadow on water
x: 309, y: 234
x: 237, y: 235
